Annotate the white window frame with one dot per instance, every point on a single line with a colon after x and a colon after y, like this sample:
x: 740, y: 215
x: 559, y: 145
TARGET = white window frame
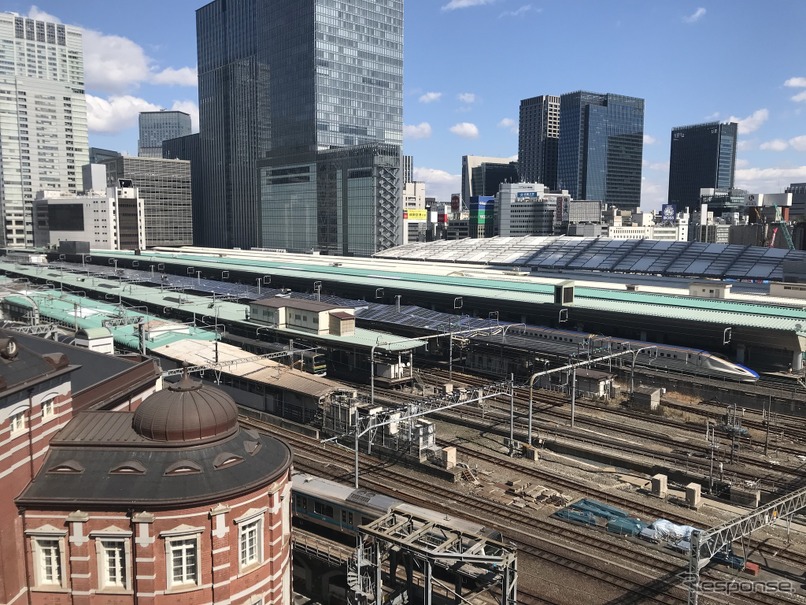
x: 17, y: 422
x: 176, y: 542
x: 48, y: 408
x: 45, y: 558
x: 104, y: 544
x: 250, y: 527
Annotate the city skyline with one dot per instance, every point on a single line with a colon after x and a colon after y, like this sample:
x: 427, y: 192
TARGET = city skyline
x: 669, y: 54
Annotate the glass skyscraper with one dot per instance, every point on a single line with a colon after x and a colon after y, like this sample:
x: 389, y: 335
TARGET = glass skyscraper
x: 538, y: 135
x: 43, y: 118
x: 159, y: 126
x: 283, y: 84
x: 702, y: 156
x: 600, y: 148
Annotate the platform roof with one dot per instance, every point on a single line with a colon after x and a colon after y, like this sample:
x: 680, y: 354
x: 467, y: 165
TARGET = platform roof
x: 652, y: 257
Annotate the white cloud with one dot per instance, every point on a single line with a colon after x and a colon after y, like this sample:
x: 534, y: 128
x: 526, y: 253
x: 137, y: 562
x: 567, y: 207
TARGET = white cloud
x: 752, y: 122
x: 695, y: 16
x: 184, y: 76
x: 796, y: 82
x: 430, y: 97
x: 661, y: 166
x: 465, y: 130
x: 746, y: 145
x: 466, y: 97
x: 509, y: 124
x: 653, y: 194
x: 742, y: 163
x: 800, y: 97
x: 418, y: 131
x: 115, y: 114
x: 798, y: 143
x: 774, y: 145
x: 769, y: 180
x: 189, y: 107
x: 517, y: 12
x: 117, y: 65
x: 456, y: 4
x: 649, y: 139
x: 113, y: 64
x: 438, y: 183
x: 39, y: 15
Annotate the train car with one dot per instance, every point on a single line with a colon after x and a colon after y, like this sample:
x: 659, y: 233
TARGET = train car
x: 343, y: 509
x: 663, y: 356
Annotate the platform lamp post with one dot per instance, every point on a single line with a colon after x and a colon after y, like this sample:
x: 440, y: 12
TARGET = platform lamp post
x: 317, y: 287
x: 266, y: 279
x: 632, y: 367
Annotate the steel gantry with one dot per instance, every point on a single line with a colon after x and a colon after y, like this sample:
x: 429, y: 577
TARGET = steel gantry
x: 705, y: 544
x: 404, y: 537
x: 423, y: 407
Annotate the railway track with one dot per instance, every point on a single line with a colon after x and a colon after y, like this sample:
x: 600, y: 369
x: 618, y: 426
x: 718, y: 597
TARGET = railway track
x: 640, y: 577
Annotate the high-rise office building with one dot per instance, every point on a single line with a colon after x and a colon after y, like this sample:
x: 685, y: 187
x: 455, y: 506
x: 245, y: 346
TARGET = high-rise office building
x: 301, y: 123
x: 601, y: 148
x: 99, y: 155
x: 159, y: 126
x: 43, y: 133
x: 164, y: 186
x: 538, y: 135
x: 189, y: 148
x: 482, y: 175
x: 702, y: 156
x: 408, y: 169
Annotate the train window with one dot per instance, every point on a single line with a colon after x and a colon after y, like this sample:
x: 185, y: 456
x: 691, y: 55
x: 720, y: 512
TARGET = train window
x: 317, y: 507
x: 344, y: 516
x: 302, y: 502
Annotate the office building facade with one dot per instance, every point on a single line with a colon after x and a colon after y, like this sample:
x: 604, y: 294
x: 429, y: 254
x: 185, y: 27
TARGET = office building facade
x: 482, y: 175
x: 600, y: 148
x: 43, y: 118
x: 189, y: 148
x: 538, y: 136
x: 164, y: 186
x: 524, y: 209
x: 113, y: 219
x: 159, y: 126
x: 702, y: 156
x: 311, y: 91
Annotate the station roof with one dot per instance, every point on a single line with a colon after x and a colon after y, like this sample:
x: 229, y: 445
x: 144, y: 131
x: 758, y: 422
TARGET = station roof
x: 653, y: 257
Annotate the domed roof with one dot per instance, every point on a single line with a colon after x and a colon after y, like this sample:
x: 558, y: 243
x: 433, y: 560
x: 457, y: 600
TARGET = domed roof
x: 186, y: 411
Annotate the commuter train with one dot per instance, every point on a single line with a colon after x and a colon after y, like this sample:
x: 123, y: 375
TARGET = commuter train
x: 568, y: 342
x: 342, y: 509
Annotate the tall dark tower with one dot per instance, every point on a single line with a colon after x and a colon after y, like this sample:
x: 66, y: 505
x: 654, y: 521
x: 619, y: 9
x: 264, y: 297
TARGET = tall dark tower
x: 538, y: 135
x: 601, y: 148
x: 702, y: 155
x: 301, y: 123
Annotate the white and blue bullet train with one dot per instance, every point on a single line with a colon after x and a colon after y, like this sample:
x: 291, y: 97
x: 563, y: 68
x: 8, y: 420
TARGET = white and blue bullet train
x: 663, y: 356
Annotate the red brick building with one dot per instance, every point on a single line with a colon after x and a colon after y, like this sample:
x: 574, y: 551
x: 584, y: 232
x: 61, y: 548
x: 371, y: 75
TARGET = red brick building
x: 173, y: 502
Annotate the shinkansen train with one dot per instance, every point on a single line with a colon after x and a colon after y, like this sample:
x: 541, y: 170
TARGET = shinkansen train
x: 564, y: 342
x: 343, y: 509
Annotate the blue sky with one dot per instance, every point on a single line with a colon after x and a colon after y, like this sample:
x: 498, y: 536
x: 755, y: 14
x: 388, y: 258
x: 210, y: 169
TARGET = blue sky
x: 468, y: 63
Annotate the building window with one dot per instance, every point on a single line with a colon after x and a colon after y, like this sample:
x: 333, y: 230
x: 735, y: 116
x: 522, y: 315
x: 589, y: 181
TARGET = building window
x: 17, y: 422
x: 183, y: 566
x: 113, y: 561
x: 249, y: 537
x: 48, y: 562
x: 48, y: 408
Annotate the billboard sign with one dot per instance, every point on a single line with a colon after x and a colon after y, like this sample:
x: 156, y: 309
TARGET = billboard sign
x: 526, y: 194
x: 455, y: 204
x: 415, y: 214
x: 668, y: 213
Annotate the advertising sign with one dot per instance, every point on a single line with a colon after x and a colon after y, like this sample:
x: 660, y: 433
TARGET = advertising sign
x: 668, y: 213
x: 455, y: 204
x: 415, y: 214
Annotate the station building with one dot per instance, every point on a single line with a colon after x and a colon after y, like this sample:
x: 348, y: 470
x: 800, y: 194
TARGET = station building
x: 137, y: 495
